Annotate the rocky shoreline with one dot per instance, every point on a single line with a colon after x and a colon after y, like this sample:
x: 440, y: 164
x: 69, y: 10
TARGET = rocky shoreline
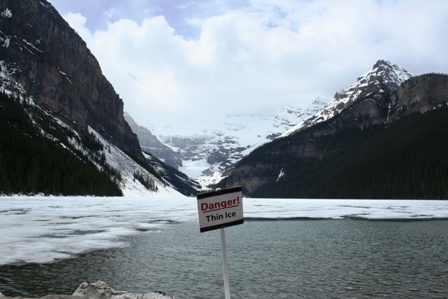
x: 98, y: 290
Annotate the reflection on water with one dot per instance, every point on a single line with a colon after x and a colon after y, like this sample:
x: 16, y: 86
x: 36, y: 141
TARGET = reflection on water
x: 267, y: 259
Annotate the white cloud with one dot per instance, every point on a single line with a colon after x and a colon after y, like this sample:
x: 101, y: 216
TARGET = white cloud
x: 266, y: 54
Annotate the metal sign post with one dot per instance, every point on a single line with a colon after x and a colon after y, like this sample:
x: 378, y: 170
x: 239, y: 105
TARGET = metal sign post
x: 219, y: 209
x: 224, y: 264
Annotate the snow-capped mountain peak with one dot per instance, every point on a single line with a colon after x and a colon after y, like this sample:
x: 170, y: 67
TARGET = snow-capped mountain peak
x: 383, y: 77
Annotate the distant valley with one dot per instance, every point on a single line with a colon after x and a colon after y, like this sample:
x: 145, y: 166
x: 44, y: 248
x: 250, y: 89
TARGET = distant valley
x: 206, y: 154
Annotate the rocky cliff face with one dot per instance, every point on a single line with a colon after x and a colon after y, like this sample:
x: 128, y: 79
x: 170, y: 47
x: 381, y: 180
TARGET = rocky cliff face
x: 419, y: 95
x: 50, y: 62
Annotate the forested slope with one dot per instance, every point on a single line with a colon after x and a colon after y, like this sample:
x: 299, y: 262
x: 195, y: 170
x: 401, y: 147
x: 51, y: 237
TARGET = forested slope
x: 407, y: 160
x: 35, y: 156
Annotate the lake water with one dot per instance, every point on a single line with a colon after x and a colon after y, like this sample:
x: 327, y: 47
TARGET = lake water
x: 266, y: 259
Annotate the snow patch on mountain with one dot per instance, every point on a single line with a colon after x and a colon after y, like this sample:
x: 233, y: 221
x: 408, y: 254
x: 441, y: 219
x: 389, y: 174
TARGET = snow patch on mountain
x: 7, y: 84
x: 7, y: 13
x: 131, y: 187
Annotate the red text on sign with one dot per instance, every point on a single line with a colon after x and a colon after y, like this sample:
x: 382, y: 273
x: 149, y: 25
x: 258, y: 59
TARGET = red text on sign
x: 220, y: 205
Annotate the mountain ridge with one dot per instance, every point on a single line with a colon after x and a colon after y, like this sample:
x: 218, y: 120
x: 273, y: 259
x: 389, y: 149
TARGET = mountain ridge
x: 383, y: 77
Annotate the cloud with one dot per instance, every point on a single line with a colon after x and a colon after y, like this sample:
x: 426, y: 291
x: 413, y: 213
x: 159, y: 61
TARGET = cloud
x: 251, y: 56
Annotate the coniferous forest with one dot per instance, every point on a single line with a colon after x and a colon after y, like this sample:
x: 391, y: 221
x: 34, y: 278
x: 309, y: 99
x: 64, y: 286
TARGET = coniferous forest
x: 407, y: 160
x: 33, y: 162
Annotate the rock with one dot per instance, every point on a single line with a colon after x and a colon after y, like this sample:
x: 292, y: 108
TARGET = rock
x: 100, y: 290
x: 94, y: 290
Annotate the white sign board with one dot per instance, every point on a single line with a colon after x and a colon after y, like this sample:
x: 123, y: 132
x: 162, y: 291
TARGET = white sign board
x: 221, y: 208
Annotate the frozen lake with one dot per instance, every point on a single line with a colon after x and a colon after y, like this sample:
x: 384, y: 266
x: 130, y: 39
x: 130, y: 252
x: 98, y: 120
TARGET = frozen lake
x: 44, y: 229
x: 326, y: 248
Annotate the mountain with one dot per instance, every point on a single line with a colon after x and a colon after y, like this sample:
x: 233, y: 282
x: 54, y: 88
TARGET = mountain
x: 382, y: 78
x: 383, y: 137
x: 207, y: 154
x: 47, y: 69
x: 54, y: 66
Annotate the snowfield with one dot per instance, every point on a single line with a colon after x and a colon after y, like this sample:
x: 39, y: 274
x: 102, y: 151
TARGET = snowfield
x: 44, y: 229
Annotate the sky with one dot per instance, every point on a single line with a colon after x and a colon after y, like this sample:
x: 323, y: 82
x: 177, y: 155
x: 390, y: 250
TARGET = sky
x: 179, y: 62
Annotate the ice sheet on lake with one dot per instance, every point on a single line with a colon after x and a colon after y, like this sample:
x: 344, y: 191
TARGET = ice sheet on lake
x: 44, y: 229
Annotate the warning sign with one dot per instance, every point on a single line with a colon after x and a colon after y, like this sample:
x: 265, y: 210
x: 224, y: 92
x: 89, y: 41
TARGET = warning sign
x: 221, y: 208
